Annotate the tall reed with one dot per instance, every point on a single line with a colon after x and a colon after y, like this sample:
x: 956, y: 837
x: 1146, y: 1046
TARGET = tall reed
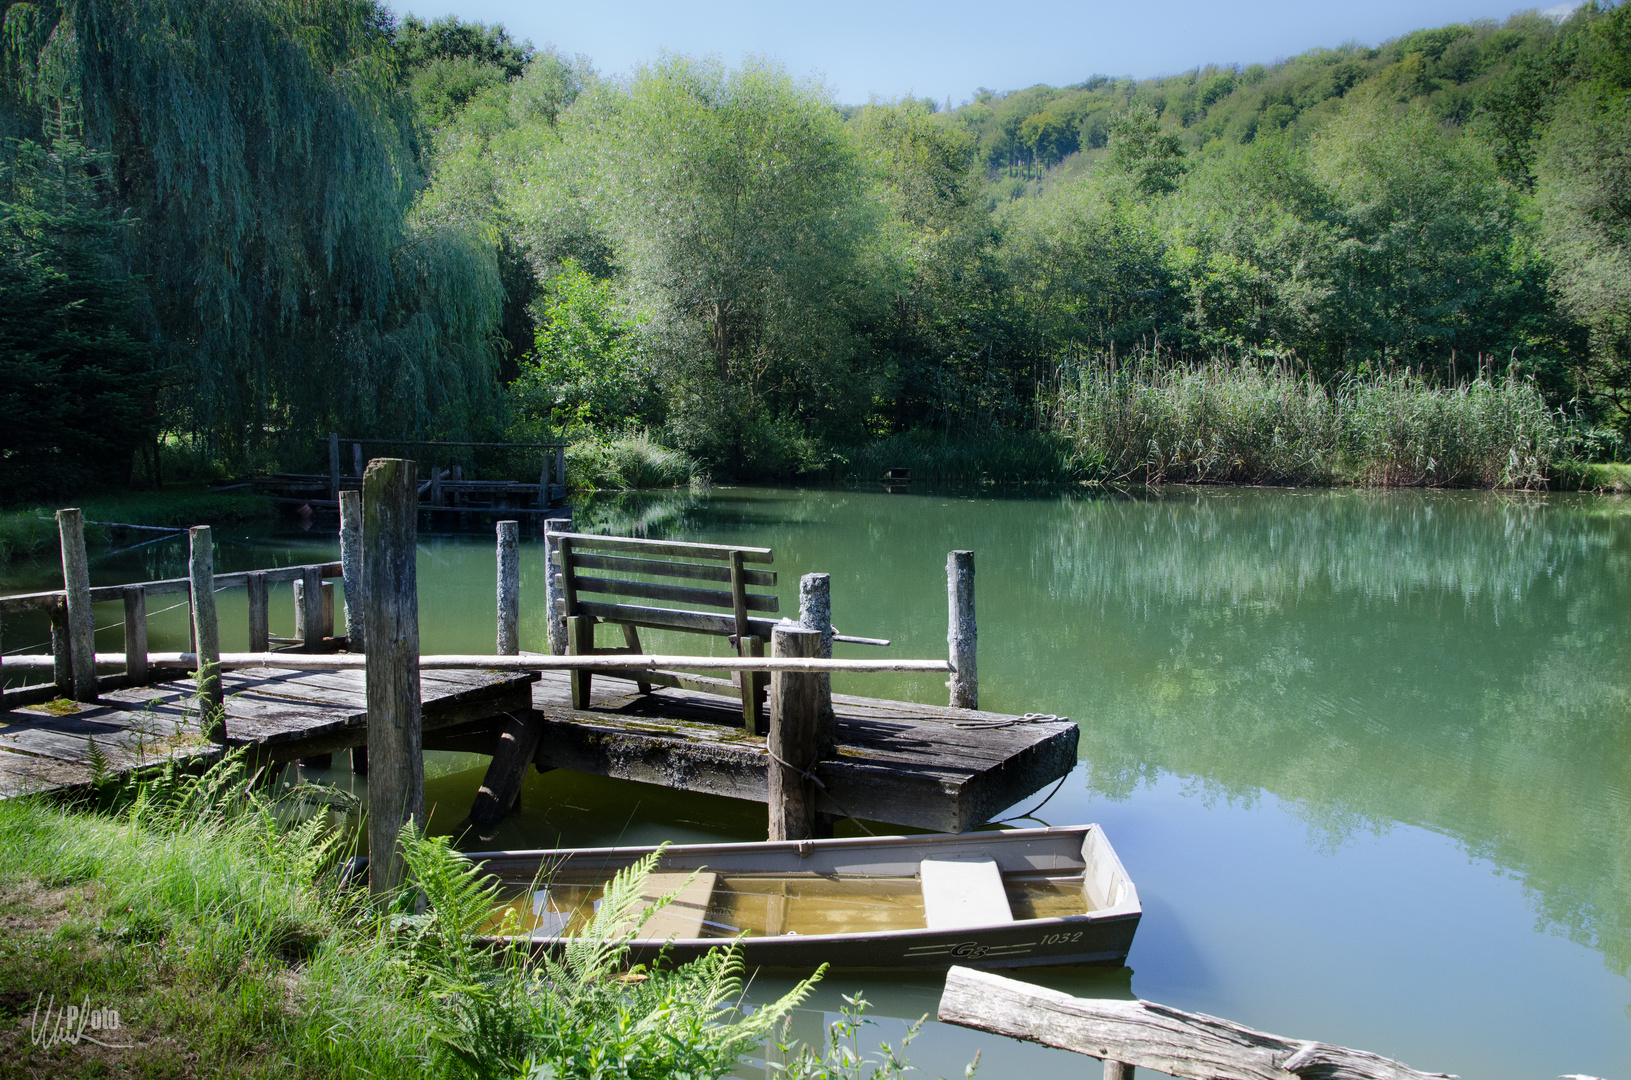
x: 1246, y: 422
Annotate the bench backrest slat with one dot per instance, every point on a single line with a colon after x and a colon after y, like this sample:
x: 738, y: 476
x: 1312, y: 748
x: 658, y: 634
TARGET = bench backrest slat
x: 671, y: 619
x: 679, y: 593
x: 696, y: 571
x: 620, y: 544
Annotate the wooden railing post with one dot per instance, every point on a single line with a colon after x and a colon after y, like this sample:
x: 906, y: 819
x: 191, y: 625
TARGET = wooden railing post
x: 396, y: 767
x: 815, y: 613
x: 555, y: 619
x: 357, y: 461
x: 961, y: 633
x: 334, y: 465
x: 794, y: 738
x: 509, y: 588
x: 135, y: 597
x: 1117, y: 1070
x: 560, y: 465
x: 206, y: 632
x: 308, y: 605
x: 62, y: 662
x: 260, y: 628
x: 76, y: 583
x: 351, y: 562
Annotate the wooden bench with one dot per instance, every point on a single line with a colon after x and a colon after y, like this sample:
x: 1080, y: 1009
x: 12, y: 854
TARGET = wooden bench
x: 664, y: 570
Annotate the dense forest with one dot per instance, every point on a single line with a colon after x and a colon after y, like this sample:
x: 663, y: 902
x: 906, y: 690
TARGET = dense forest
x: 233, y: 224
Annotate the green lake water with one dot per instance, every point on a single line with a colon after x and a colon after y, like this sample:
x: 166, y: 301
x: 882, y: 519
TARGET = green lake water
x: 1365, y: 755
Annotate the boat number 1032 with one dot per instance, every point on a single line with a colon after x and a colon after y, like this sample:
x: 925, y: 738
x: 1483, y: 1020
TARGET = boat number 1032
x: 1057, y: 939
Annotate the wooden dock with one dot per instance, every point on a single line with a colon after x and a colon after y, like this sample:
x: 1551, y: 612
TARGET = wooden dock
x: 611, y: 711
x: 895, y: 761
x: 280, y: 715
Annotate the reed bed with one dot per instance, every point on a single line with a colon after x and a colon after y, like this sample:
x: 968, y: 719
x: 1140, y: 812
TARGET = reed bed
x: 627, y: 462
x: 998, y: 456
x: 1246, y: 423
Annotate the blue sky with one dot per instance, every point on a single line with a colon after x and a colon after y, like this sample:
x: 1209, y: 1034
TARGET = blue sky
x: 888, y: 48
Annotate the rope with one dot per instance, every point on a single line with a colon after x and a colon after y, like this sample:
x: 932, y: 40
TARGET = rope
x: 1031, y: 813
x: 1010, y: 721
x: 810, y: 775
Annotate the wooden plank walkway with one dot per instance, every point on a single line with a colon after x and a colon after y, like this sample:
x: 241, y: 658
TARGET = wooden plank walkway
x: 896, y: 762
x: 283, y: 714
x: 907, y: 764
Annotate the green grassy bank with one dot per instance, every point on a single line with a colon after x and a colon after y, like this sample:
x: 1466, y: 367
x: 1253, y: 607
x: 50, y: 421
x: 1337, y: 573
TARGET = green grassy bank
x: 31, y: 532
x: 207, y: 914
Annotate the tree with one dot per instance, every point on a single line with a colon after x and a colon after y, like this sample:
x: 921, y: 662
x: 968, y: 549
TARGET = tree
x: 266, y: 155
x: 447, y: 63
x: 1153, y: 159
x: 733, y: 201
x: 77, y: 389
x: 1583, y: 191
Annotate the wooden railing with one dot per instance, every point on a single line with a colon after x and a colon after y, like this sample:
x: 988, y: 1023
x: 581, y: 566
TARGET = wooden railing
x: 73, y: 660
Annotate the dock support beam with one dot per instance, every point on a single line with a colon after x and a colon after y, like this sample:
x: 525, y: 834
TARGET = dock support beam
x: 206, y: 631
x: 795, y: 740
x: 76, y: 583
x: 961, y: 633
x: 518, y: 741
x: 396, y: 776
x: 351, y: 562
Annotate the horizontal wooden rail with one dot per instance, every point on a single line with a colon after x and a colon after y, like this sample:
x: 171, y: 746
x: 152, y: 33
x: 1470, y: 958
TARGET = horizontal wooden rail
x: 1144, y: 1035
x: 536, y: 662
x: 42, y: 601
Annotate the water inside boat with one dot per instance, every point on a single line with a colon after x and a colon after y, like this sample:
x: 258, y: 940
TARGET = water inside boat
x: 709, y: 905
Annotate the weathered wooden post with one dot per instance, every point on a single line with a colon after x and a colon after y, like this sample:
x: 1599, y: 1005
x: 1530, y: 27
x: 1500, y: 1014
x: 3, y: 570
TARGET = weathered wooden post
x: 135, y: 598
x: 794, y: 741
x: 206, y: 632
x: 313, y: 609
x: 76, y: 584
x: 357, y: 461
x: 260, y: 612
x: 554, y: 619
x: 518, y: 741
x: 509, y: 588
x: 351, y: 563
x: 62, y: 652
x: 396, y: 767
x: 960, y: 630
x: 815, y: 613
x: 334, y: 465
x: 1117, y: 1070
x: 560, y: 465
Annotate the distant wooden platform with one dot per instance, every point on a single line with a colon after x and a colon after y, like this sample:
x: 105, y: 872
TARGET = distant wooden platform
x: 897, y: 762
x: 284, y: 714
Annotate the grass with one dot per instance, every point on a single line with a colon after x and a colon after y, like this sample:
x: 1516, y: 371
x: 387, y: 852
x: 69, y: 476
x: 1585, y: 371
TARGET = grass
x: 205, y: 911
x: 626, y: 462
x: 1227, y: 422
x: 31, y: 533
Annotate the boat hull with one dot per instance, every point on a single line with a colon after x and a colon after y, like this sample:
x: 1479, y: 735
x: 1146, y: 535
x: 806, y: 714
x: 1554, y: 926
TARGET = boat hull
x: 1100, y: 936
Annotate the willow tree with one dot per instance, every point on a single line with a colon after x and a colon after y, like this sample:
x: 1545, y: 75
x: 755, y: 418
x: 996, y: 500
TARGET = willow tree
x: 267, y: 156
x: 734, y: 203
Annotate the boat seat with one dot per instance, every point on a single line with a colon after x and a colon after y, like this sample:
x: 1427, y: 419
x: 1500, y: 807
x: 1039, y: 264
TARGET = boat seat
x: 963, y: 892
x: 681, y: 917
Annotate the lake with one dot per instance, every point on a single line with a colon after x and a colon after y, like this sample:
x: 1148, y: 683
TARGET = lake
x: 1365, y: 754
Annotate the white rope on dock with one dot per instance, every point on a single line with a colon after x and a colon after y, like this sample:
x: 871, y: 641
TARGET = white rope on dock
x: 524, y: 662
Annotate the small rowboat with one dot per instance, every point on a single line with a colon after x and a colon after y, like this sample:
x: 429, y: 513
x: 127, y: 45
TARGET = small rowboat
x: 1016, y: 898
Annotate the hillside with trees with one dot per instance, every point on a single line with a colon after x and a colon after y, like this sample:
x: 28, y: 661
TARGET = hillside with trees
x: 238, y: 224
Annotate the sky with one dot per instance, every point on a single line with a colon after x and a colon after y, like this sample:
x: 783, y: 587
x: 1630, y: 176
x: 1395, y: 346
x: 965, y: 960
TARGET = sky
x: 890, y: 48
